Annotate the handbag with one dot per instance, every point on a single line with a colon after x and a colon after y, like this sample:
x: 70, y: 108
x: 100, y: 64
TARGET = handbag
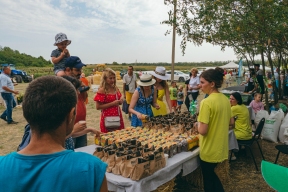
x: 112, y: 122
x: 127, y: 86
x: 125, y: 107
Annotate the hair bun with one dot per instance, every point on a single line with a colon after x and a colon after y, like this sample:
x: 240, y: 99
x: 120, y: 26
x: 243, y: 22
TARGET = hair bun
x: 220, y: 70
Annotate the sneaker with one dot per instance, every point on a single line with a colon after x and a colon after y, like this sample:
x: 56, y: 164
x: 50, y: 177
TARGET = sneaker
x: 3, y: 118
x: 12, y: 122
x: 233, y: 158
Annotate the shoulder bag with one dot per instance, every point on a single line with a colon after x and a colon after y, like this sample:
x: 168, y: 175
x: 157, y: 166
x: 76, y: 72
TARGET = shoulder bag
x: 127, y: 86
x: 112, y: 122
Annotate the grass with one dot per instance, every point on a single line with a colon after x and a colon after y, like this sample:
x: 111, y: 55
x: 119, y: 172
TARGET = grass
x: 243, y: 176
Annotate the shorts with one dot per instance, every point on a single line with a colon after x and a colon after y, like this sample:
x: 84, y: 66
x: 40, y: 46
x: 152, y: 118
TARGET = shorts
x: 128, y: 97
x: 179, y: 102
x: 58, y: 70
x: 173, y: 103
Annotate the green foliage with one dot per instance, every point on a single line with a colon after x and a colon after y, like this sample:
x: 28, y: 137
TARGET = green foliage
x: 251, y: 28
x: 8, y: 55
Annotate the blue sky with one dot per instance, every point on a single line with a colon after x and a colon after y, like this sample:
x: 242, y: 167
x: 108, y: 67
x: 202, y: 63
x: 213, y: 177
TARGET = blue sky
x: 102, y: 31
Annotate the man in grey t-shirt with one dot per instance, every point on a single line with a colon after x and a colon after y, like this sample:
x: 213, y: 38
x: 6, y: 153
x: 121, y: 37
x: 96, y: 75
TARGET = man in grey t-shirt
x: 129, y: 81
x: 7, y: 90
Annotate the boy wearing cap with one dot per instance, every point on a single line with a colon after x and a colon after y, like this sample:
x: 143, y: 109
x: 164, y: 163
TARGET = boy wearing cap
x: 59, y: 55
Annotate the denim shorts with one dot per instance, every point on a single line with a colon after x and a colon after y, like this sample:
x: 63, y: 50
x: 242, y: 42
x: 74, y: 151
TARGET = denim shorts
x: 57, y: 70
x: 179, y: 102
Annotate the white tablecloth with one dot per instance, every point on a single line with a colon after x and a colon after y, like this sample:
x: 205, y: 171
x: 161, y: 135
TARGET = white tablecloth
x: 233, y: 144
x: 186, y: 161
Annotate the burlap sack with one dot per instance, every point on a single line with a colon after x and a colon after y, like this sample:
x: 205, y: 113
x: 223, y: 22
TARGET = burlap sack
x: 179, y: 146
x: 141, y: 169
x: 132, y: 142
x: 176, y: 128
x: 122, y: 165
x: 173, y: 150
x: 118, y: 161
x: 184, y: 145
x: 124, y: 159
x: 132, y: 148
x: 147, y: 151
x: 105, y: 155
x: 110, y: 161
x: 152, y: 164
x: 99, y: 152
x: 159, y: 161
x: 129, y: 166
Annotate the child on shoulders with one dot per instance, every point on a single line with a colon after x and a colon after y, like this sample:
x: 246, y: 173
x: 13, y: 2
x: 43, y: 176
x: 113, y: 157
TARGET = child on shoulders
x: 59, y: 55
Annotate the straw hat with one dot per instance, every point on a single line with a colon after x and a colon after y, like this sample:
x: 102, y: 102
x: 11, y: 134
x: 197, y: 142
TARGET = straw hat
x: 160, y: 73
x: 146, y: 80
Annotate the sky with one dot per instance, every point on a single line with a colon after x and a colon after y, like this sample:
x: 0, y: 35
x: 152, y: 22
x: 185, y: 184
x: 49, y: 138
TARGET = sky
x: 102, y: 31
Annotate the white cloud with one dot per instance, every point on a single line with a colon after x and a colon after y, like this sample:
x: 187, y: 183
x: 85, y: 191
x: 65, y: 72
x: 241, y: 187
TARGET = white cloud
x: 100, y: 30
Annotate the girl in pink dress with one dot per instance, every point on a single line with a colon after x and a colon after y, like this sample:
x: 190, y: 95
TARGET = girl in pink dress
x: 256, y: 106
x: 106, y: 99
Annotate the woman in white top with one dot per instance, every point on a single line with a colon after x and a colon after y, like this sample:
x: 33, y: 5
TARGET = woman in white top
x: 192, y: 88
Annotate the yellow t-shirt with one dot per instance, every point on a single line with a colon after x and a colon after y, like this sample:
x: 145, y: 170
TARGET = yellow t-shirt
x: 242, y: 128
x: 215, y: 111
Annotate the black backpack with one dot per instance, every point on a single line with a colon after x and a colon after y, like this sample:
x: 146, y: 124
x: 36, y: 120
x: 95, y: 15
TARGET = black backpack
x: 26, y: 138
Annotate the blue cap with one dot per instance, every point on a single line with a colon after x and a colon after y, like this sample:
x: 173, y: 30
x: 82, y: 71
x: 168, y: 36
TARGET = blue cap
x: 74, y: 62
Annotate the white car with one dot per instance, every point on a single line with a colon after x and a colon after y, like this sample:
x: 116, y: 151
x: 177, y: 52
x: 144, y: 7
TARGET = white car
x: 179, y: 76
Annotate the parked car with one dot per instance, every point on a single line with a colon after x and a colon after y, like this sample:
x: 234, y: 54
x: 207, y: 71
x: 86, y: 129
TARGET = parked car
x: 179, y: 76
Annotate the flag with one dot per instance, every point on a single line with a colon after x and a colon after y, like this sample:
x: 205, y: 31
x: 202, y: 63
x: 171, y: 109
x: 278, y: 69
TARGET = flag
x: 240, y: 69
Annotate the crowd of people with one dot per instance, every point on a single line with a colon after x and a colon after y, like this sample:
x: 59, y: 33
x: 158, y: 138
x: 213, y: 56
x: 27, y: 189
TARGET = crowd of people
x: 55, y: 109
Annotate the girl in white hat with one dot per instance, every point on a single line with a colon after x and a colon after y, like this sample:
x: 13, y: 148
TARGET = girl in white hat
x: 162, y: 90
x: 143, y: 98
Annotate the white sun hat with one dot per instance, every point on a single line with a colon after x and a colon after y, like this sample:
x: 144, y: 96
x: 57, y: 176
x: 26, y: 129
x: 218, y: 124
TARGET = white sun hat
x: 160, y: 73
x: 146, y: 80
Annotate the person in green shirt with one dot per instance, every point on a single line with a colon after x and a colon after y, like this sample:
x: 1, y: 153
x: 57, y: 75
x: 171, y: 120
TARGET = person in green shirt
x: 213, y: 125
x: 242, y: 130
x: 173, y: 95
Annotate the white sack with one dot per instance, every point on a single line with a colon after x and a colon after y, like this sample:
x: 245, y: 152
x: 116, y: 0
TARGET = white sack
x: 283, y: 126
x: 272, y: 125
x: 260, y: 115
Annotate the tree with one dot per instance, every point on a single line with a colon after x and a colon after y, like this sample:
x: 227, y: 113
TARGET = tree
x: 7, y: 55
x: 250, y: 27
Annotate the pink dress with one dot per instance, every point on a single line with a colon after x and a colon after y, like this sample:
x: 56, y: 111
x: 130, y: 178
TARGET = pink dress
x: 111, y: 111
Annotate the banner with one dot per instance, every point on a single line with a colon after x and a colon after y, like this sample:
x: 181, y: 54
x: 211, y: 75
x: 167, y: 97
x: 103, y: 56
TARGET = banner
x: 240, y: 69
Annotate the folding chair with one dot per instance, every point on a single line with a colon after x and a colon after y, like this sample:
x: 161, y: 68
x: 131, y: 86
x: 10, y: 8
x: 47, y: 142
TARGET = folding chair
x: 249, y: 143
x: 282, y: 149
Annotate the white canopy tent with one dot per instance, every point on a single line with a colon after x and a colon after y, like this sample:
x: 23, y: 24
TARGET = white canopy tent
x: 230, y: 65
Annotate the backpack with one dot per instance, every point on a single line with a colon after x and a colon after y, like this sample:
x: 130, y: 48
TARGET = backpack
x: 26, y: 138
